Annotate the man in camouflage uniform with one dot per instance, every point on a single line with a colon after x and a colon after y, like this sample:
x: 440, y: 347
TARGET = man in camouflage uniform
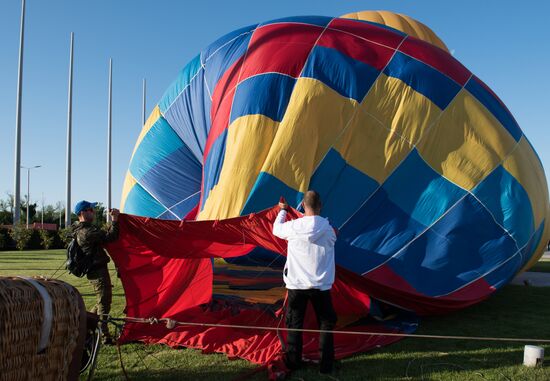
x: 90, y: 238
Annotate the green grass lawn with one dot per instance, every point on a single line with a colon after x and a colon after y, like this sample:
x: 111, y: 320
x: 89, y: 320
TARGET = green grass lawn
x: 515, y: 311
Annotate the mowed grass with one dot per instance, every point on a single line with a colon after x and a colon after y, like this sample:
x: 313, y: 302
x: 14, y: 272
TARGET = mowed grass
x: 515, y: 311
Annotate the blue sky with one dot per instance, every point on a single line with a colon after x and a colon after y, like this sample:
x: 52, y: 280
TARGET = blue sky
x: 504, y: 43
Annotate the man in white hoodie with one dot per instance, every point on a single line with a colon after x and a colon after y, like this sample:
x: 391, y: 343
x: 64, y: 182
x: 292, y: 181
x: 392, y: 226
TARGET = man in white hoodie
x: 308, y: 275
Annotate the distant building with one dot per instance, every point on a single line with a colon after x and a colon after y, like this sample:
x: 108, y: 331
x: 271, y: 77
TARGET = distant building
x: 40, y: 226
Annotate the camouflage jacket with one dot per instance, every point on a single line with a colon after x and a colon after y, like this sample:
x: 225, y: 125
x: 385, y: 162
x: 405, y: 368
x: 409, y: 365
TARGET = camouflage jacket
x: 91, y: 239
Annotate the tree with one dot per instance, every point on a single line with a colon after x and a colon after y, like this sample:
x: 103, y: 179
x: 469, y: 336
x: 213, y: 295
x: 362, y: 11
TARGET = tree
x: 32, y: 210
x: 100, y: 215
x: 7, y: 204
x: 53, y: 214
x: 6, y: 210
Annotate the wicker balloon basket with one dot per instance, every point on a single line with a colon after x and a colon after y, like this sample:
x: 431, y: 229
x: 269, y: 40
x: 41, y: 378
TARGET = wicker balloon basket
x: 42, y: 329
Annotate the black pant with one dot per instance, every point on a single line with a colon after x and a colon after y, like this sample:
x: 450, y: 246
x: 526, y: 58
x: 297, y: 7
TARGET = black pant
x: 326, y: 317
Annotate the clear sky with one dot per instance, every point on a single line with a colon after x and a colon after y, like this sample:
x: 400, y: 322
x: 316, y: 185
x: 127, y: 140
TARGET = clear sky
x: 505, y: 43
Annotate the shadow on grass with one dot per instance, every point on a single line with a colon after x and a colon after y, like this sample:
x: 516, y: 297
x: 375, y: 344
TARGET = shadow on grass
x: 192, y: 374
x: 159, y: 362
x: 14, y: 259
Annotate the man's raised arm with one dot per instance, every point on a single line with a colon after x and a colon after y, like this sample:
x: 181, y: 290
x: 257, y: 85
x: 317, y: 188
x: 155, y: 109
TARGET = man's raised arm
x: 280, y: 228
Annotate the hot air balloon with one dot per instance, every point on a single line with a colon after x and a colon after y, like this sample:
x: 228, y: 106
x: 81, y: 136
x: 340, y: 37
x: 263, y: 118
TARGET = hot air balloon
x: 438, y: 196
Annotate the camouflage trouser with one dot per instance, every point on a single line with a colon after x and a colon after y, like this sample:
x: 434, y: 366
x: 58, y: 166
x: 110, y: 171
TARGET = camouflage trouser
x: 101, y: 282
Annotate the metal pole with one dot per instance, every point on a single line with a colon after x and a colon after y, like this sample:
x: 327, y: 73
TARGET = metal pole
x: 28, y: 189
x: 28, y: 194
x: 69, y: 138
x: 144, y: 103
x: 109, y: 131
x: 42, y: 219
x: 17, y: 175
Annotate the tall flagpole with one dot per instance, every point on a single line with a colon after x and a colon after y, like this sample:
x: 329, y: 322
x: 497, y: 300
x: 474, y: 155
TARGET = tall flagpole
x: 144, y: 101
x: 69, y: 138
x: 17, y: 175
x: 28, y: 194
x: 109, y: 132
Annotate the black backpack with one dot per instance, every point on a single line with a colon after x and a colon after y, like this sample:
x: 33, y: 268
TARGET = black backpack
x: 78, y: 263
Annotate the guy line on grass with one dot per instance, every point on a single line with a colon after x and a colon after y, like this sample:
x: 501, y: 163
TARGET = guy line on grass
x: 170, y: 324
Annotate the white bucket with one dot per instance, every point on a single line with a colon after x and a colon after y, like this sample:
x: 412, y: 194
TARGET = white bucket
x: 533, y: 355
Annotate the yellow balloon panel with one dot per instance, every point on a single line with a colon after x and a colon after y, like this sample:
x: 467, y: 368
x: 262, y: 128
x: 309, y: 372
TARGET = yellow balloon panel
x: 400, y: 108
x: 315, y: 116
x: 400, y: 22
x: 371, y: 147
x: 248, y: 141
x: 129, y: 183
x: 466, y: 143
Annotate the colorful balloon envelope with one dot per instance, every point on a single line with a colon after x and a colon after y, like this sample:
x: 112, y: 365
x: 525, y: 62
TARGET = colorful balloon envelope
x: 438, y: 196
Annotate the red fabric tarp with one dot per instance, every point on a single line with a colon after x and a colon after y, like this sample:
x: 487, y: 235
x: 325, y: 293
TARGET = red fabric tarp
x: 166, y: 271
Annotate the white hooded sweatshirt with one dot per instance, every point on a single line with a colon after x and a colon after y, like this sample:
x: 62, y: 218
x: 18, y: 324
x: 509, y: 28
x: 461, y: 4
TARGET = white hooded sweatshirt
x: 310, y: 257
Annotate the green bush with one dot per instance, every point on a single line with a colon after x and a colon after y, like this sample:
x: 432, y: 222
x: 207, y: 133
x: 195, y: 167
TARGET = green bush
x: 46, y: 239
x: 57, y: 243
x: 35, y: 242
x: 3, y: 240
x: 65, y: 236
x: 7, y: 241
x: 22, y: 236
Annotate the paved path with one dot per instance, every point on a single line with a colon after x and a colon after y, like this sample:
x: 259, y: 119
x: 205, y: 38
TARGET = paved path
x: 534, y: 279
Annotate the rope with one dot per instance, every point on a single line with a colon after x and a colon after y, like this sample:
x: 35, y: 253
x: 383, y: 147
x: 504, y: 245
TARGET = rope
x: 117, y: 328
x: 170, y: 324
x: 122, y: 363
x: 59, y: 268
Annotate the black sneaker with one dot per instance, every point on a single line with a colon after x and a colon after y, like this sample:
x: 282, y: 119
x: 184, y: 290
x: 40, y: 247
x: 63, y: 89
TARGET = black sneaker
x: 292, y: 365
x: 330, y: 371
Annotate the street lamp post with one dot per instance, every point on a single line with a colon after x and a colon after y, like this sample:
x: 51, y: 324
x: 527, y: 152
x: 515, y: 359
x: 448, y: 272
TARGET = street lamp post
x: 42, y: 217
x: 60, y: 214
x: 29, y: 189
